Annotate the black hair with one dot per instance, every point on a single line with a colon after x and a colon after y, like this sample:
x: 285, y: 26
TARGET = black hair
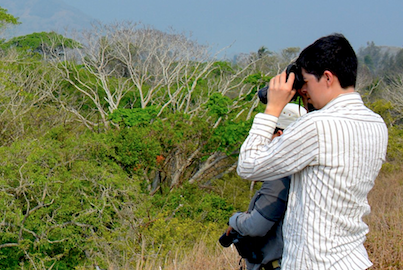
x: 277, y: 129
x: 333, y: 53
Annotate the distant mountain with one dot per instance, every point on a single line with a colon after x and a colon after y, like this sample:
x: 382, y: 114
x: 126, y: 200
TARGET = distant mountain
x: 44, y: 15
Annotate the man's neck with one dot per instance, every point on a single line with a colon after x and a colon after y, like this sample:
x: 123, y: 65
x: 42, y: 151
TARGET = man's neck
x: 337, y: 91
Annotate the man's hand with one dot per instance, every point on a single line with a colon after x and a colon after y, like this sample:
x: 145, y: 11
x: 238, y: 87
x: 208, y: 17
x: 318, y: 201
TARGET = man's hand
x: 280, y: 93
x: 228, y: 230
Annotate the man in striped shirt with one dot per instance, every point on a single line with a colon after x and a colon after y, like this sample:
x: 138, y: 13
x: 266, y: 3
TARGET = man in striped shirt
x: 334, y: 155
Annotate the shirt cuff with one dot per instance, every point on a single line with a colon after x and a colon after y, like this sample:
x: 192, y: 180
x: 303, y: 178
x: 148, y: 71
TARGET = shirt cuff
x: 264, y: 125
x: 232, y: 221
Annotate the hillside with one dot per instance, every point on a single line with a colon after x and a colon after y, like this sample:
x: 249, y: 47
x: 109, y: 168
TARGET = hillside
x: 44, y: 15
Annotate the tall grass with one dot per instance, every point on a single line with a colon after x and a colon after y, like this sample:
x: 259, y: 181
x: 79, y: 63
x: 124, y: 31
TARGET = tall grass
x: 201, y: 257
x: 385, y: 239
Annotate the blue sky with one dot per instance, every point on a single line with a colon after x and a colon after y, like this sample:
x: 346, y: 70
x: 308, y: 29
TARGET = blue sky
x: 248, y: 25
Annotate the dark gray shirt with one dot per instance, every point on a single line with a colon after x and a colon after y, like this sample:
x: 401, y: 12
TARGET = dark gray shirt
x: 264, y: 217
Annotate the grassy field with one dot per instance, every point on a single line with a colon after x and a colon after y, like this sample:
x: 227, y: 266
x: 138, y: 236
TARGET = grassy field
x: 385, y: 239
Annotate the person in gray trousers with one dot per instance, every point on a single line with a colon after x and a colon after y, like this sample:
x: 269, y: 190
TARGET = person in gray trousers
x: 261, y: 224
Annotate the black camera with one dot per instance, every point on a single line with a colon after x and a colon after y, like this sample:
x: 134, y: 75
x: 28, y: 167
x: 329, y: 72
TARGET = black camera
x: 298, y: 83
x: 247, y: 246
x: 227, y: 240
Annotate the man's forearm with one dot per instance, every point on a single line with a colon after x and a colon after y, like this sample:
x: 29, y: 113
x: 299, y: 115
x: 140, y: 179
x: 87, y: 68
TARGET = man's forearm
x: 251, y: 224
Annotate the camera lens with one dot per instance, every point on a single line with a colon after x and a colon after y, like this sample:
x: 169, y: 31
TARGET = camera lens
x: 298, y: 83
x: 262, y: 93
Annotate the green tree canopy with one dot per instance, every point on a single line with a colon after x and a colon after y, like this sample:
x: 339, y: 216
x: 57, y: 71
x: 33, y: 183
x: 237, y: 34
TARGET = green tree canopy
x: 42, y: 42
x: 6, y: 18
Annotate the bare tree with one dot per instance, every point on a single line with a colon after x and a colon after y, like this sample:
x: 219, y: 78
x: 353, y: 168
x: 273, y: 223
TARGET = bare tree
x: 143, y: 64
x: 393, y: 93
x: 129, y: 61
x: 24, y: 87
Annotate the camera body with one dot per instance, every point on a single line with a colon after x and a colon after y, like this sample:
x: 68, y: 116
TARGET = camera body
x: 298, y: 83
x: 227, y: 240
x: 247, y: 247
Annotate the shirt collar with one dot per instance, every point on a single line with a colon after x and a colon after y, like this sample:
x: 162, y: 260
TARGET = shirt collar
x: 352, y: 98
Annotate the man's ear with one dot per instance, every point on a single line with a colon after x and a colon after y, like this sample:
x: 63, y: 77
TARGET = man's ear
x: 279, y: 132
x: 329, y: 77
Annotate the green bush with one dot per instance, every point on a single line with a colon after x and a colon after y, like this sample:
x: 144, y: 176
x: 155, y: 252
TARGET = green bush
x: 57, y: 200
x: 183, y: 216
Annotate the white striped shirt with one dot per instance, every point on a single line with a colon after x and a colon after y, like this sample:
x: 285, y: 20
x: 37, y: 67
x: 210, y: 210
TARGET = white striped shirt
x: 334, y: 155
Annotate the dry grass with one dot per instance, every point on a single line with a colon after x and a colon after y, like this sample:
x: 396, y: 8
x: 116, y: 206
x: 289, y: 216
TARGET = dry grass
x: 385, y: 239
x: 200, y: 258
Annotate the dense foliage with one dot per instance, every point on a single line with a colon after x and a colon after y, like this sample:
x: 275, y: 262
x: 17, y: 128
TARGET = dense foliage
x: 124, y: 146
